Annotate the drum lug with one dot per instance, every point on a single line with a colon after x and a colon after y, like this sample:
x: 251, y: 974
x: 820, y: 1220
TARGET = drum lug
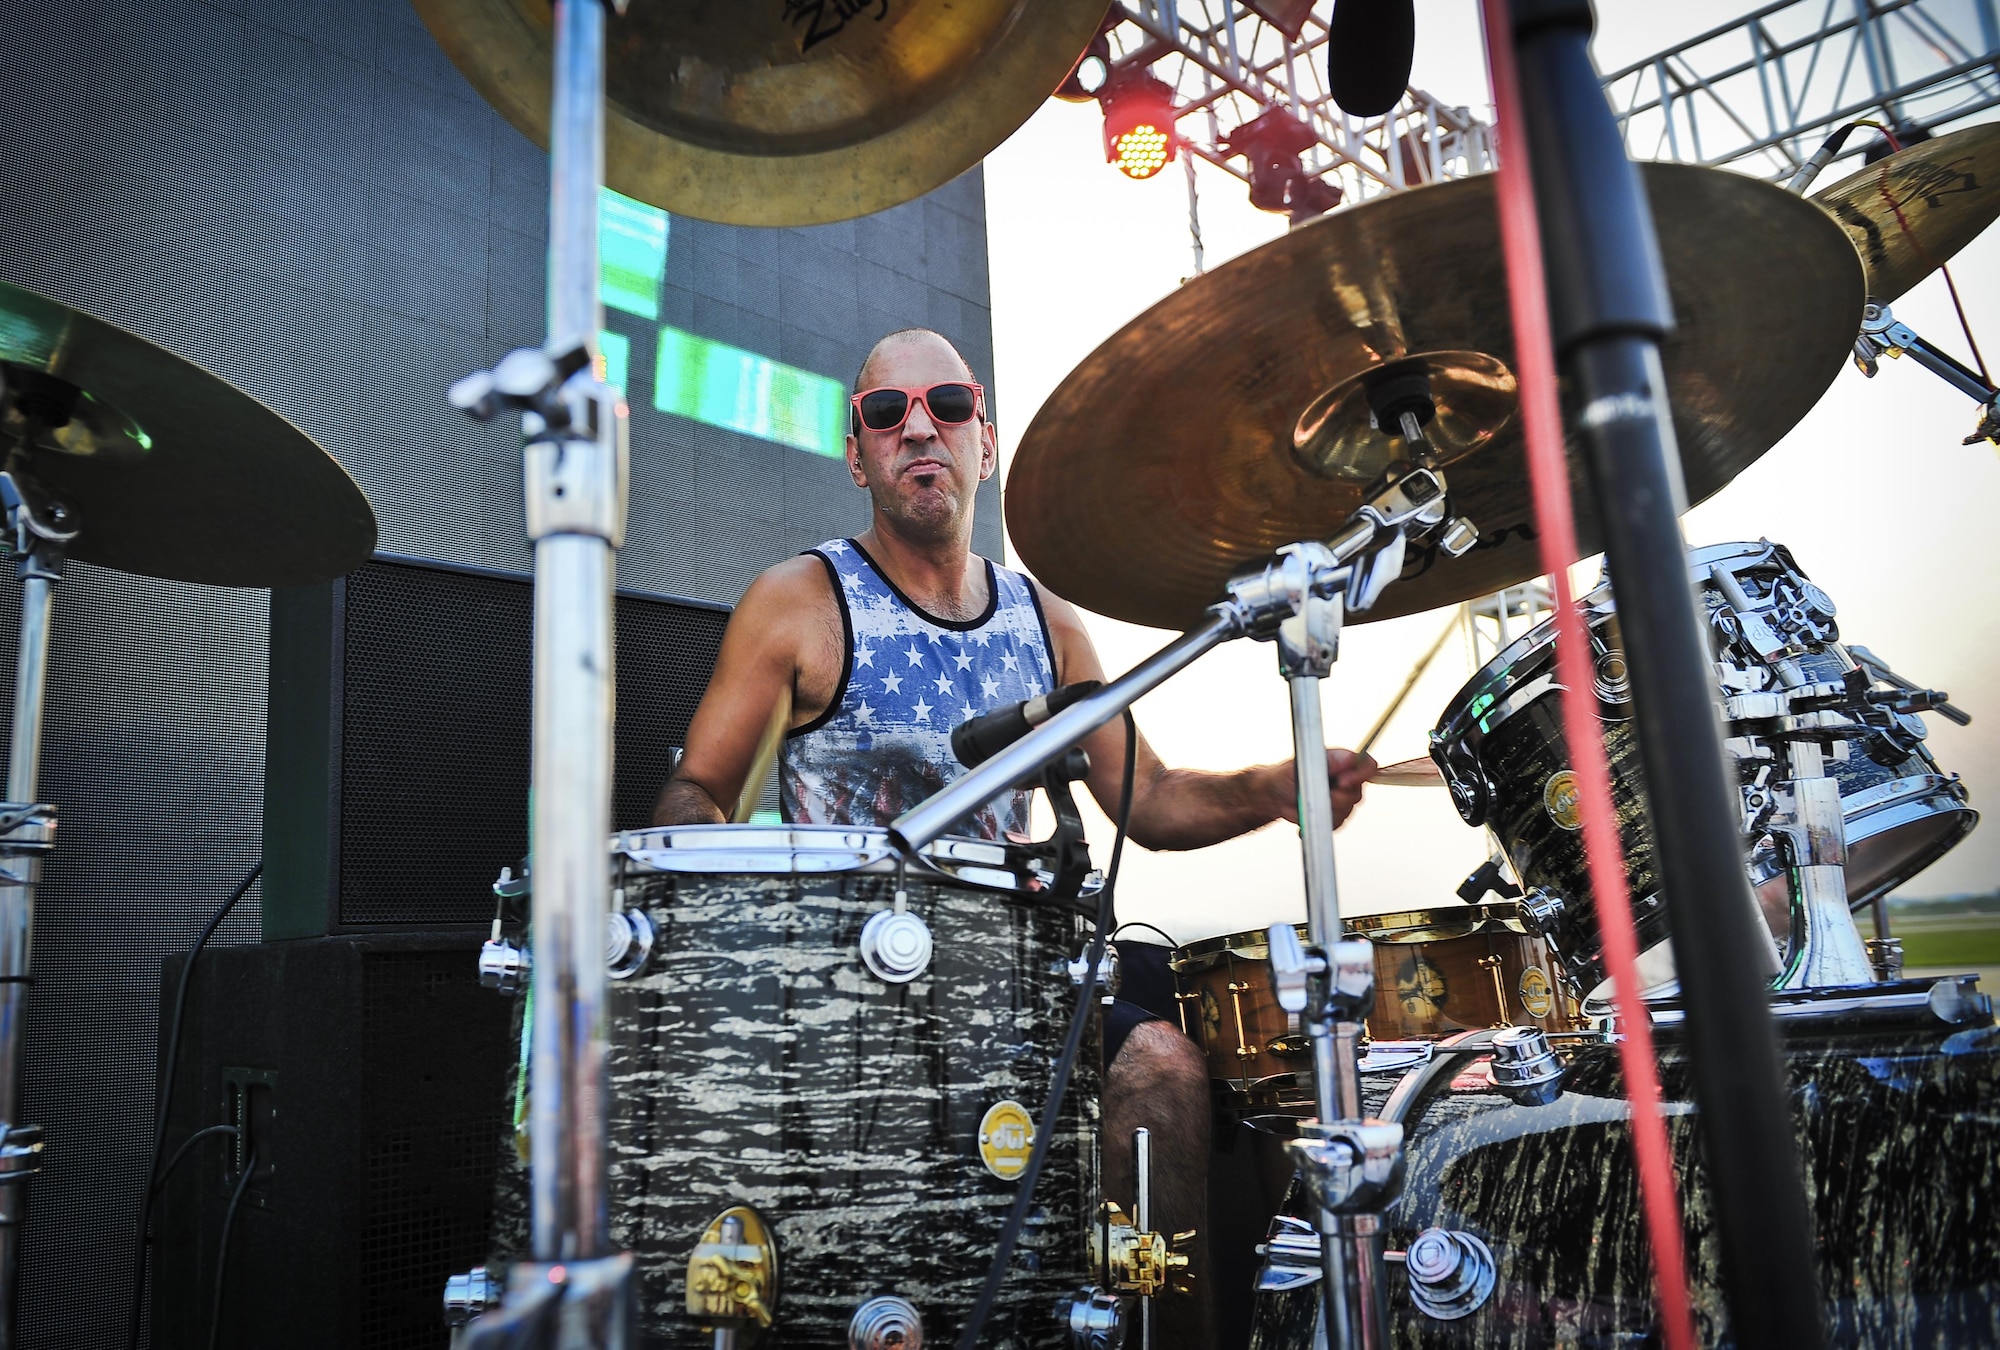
x: 1108, y: 970
x: 1886, y: 956
x: 504, y: 967
x: 1096, y: 1320
x: 1451, y: 1273
x: 895, y: 945
x: 1525, y: 1069
x: 469, y: 1295
x: 732, y: 1275
x: 886, y: 1323
x: 628, y: 942
x: 1291, y: 1255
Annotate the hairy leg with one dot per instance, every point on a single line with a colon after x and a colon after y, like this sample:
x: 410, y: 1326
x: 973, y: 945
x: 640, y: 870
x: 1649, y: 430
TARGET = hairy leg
x: 1160, y: 1081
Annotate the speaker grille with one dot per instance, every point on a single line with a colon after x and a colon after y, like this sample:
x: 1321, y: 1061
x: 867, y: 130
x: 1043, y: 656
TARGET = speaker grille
x: 435, y: 732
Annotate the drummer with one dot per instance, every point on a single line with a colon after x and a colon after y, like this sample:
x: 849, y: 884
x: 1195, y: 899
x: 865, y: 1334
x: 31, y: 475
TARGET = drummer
x: 884, y: 642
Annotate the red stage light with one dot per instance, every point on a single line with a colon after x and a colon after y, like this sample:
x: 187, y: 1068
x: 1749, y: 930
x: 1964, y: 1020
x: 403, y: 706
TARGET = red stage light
x: 1138, y: 125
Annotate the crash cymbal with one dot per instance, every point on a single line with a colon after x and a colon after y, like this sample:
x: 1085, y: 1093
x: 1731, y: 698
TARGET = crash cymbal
x: 1909, y: 212
x: 1223, y: 422
x: 785, y: 112
x: 165, y: 469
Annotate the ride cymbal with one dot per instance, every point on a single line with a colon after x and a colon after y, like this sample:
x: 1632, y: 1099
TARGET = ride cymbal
x: 1909, y: 212
x: 167, y: 470
x: 784, y: 112
x: 1222, y: 423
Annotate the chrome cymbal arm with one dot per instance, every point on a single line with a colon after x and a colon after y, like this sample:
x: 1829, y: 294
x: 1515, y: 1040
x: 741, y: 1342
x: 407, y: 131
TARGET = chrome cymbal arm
x: 1883, y: 334
x: 1257, y: 603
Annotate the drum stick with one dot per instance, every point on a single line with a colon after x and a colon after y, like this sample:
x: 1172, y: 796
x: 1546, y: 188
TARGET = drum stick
x: 764, y: 760
x: 1382, y: 722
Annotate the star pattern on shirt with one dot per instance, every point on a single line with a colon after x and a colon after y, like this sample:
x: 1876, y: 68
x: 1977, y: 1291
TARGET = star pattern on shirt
x: 892, y: 683
x: 852, y: 581
x: 864, y: 715
x: 837, y: 546
x: 943, y: 683
x: 982, y: 637
x: 988, y: 688
x: 969, y: 713
x: 964, y: 660
x: 1009, y: 661
x: 864, y: 656
x: 922, y: 711
x: 916, y: 657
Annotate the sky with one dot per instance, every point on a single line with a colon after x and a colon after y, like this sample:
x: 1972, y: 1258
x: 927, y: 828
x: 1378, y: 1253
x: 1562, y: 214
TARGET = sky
x: 1872, y: 491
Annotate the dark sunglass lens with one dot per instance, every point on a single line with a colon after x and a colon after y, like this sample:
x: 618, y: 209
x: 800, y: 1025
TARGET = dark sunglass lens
x: 951, y: 403
x: 883, y: 409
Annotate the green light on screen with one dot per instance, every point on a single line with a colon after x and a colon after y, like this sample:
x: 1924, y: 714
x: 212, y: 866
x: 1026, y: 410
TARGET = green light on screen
x: 728, y: 387
x: 632, y: 254
x: 617, y: 349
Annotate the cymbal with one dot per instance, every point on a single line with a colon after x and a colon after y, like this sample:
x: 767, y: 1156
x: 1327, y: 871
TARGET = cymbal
x: 1909, y: 212
x: 786, y: 112
x: 1221, y: 423
x: 167, y: 470
x: 1419, y: 772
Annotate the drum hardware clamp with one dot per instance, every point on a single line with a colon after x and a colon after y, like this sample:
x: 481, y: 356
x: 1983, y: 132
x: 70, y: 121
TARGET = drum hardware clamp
x: 628, y: 939
x: 504, y: 966
x: 732, y: 1277
x: 1451, y: 1273
x: 1109, y: 972
x: 600, y: 1293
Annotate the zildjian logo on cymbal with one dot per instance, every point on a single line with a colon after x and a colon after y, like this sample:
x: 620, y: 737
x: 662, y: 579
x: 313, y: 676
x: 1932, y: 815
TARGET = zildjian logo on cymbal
x: 821, y: 19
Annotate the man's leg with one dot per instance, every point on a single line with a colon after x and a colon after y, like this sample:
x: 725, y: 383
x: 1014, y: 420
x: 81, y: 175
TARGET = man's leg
x: 1159, y: 1080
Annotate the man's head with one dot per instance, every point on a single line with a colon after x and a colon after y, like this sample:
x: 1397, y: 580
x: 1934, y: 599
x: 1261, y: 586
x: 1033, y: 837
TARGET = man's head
x: 922, y: 474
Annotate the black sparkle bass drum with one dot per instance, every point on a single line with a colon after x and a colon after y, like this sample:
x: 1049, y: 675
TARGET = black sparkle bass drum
x: 794, y: 1050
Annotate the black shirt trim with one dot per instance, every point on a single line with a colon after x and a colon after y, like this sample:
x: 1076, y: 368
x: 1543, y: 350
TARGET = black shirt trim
x: 956, y: 625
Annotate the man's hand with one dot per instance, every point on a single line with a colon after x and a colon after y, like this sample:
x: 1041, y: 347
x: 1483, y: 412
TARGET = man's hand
x: 1346, y: 771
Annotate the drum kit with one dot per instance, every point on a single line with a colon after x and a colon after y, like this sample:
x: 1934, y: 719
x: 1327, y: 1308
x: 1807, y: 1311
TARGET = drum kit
x: 817, y: 1080
x: 801, y: 1084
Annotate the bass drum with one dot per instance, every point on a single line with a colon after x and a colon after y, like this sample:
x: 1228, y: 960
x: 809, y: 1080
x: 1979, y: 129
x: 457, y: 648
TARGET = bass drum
x: 1899, y: 1136
x: 878, y: 1128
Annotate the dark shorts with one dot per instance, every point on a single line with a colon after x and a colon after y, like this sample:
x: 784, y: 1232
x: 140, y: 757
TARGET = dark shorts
x: 1145, y: 994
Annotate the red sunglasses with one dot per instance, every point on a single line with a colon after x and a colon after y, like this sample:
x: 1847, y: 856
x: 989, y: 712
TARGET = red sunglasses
x: 950, y: 404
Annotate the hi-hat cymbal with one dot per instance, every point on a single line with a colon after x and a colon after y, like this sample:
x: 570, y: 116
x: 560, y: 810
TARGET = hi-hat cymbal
x: 167, y: 470
x: 1909, y: 212
x: 785, y: 112
x: 1222, y: 423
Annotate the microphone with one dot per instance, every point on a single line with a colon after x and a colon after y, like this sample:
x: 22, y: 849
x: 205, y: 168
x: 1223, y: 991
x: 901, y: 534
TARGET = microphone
x: 1370, y: 46
x: 986, y: 735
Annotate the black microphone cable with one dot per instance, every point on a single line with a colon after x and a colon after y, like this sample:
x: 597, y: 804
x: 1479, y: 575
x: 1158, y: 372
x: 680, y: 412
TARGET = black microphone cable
x: 222, y: 1247
x: 1045, y: 1132
x: 154, y: 1173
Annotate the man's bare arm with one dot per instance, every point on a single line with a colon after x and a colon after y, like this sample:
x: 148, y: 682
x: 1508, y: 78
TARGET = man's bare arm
x: 778, y: 642
x: 1185, y: 808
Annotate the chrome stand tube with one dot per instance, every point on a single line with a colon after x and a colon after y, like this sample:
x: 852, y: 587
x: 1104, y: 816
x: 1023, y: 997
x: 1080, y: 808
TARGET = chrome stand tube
x: 26, y: 835
x: 1142, y: 1216
x: 571, y: 772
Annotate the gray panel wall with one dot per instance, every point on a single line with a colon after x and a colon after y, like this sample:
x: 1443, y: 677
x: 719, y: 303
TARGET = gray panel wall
x: 306, y: 198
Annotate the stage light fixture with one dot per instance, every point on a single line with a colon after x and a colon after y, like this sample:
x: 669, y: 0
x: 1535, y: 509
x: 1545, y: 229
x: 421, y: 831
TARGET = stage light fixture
x: 1086, y: 80
x: 1273, y: 142
x: 1138, y: 124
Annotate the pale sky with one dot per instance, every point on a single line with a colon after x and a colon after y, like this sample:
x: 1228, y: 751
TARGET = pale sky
x: 1877, y: 499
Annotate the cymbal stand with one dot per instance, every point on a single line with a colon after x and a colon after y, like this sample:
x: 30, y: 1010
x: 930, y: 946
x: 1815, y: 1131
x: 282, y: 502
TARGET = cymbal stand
x: 575, y: 1292
x: 1352, y: 1166
x: 38, y: 529
x: 1883, y: 334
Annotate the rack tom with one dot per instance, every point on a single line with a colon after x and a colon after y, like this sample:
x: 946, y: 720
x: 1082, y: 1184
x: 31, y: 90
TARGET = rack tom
x: 760, y: 1064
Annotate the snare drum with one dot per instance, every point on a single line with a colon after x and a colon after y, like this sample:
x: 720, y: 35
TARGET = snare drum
x: 1437, y: 971
x: 879, y: 1127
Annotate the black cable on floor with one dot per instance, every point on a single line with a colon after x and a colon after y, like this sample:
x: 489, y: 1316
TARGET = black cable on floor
x: 141, y: 1244
x: 1045, y: 1132
x: 222, y: 1247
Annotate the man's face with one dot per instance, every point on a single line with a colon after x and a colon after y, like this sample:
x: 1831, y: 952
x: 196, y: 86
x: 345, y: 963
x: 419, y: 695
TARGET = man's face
x: 921, y: 475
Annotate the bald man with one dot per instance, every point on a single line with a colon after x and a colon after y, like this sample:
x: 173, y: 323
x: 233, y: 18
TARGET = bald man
x: 868, y: 738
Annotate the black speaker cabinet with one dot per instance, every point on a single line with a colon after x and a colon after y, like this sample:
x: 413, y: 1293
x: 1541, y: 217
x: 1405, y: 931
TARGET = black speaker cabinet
x: 369, y: 1071
x: 396, y: 779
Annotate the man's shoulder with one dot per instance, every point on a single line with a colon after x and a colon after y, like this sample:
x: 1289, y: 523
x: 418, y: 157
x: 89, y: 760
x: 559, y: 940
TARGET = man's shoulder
x: 796, y: 585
